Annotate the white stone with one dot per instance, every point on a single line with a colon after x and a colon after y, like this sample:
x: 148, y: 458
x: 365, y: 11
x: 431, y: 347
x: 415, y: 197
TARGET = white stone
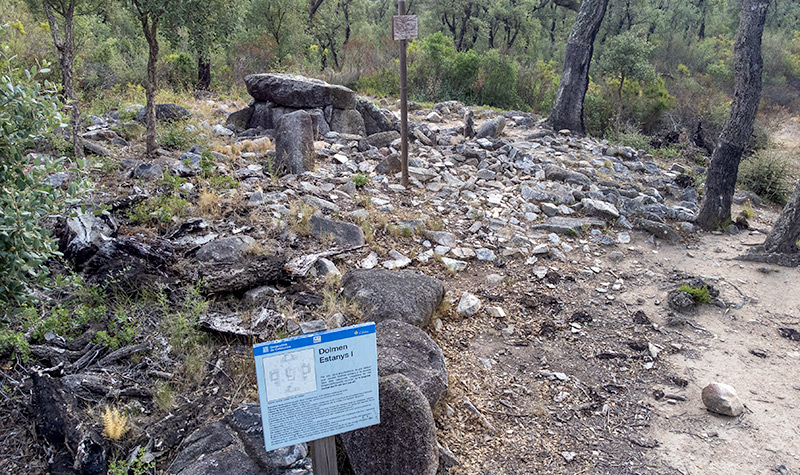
x: 469, y: 304
x: 496, y: 312
x: 722, y: 399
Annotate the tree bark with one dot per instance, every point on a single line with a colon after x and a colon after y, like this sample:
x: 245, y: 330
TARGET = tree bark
x: 567, y: 110
x: 150, y: 27
x: 786, y: 232
x: 735, y: 136
x: 66, y: 58
x: 203, y: 73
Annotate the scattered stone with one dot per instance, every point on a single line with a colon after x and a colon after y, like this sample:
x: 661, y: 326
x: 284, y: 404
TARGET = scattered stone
x: 225, y: 249
x: 492, y: 128
x: 345, y: 235
x: 404, y: 295
x: 148, y: 171
x: 165, y: 112
x: 236, y: 444
x: 722, y: 399
x: 469, y: 304
x: 454, y: 265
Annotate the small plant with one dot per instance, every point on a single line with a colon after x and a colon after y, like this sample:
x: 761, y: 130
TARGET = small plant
x: 115, y: 423
x: 164, y: 396
x: 159, y: 210
x: 360, y: 180
x: 177, y: 136
x: 767, y: 174
x: 137, y: 466
x: 699, y: 294
x: 300, y: 217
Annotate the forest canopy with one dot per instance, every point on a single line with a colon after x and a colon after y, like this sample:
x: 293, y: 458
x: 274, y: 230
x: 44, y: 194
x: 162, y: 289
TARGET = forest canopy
x: 658, y: 65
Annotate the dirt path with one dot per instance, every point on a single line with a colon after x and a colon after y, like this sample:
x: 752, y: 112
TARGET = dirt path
x: 740, y: 347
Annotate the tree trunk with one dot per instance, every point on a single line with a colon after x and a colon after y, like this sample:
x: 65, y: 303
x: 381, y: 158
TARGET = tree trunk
x: 567, y: 110
x: 150, y: 32
x: 66, y: 58
x: 786, y: 232
x: 735, y: 136
x: 203, y: 73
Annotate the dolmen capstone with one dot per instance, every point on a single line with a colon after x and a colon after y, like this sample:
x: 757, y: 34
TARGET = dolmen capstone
x: 331, y: 107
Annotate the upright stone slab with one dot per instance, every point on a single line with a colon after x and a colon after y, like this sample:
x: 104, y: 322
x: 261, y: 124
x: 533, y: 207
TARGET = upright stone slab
x: 291, y: 90
x: 294, y: 143
x: 348, y: 121
x: 261, y: 116
x: 404, y: 441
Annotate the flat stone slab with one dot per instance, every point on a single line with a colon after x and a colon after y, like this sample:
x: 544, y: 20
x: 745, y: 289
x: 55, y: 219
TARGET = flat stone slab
x: 570, y: 226
x: 291, y: 90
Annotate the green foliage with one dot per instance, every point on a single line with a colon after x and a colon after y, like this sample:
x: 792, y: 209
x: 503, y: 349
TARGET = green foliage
x: 699, y: 294
x: 767, y: 174
x: 381, y: 84
x: 537, y: 86
x: 29, y: 110
x: 137, y: 466
x: 181, y: 70
x: 175, y: 135
x: 360, y: 180
x: 122, y: 329
x: 159, y: 210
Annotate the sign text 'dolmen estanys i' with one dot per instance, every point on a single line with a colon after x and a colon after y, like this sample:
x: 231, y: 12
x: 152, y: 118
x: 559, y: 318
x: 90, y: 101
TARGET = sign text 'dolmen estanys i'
x: 317, y: 385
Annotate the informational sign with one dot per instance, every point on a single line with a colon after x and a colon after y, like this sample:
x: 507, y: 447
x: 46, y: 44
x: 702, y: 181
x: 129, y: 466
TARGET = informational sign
x: 404, y: 27
x: 317, y: 385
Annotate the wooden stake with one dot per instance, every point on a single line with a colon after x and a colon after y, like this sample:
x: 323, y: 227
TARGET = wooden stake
x: 401, y: 10
x: 323, y: 456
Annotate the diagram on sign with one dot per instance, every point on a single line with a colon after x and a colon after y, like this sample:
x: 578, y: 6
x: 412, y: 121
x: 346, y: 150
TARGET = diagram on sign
x: 290, y: 374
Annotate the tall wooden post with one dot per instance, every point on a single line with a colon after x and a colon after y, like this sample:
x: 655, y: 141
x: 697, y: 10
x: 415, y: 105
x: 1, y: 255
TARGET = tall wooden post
x: 401, y: 10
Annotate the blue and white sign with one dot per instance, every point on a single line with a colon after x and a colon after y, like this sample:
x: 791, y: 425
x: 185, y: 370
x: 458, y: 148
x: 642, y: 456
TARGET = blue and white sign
x: 317, y: 385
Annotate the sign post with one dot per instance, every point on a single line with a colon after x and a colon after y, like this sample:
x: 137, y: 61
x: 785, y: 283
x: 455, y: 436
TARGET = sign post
x: 312, y: 387
x: 404, y: 27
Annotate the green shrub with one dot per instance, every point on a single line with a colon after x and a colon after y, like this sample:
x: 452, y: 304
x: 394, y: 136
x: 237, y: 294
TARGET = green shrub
x: 699, y: 294
x: 767, y: 174
x: 176, y: 136
x: 382, y: 84
x: 29, y: 110
x: 537, y: 86
x: 360, y: 180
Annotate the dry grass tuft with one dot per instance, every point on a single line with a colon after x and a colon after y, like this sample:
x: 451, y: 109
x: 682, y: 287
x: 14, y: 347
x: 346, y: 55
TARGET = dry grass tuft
x: 115, y: 423
x: 208, y: 203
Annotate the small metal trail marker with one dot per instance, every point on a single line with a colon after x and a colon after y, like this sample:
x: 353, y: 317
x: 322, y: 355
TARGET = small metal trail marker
x: 404, y: 27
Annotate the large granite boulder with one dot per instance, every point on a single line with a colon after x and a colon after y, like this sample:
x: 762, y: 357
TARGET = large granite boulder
x: 404, y: 295
x: 407, y: 350
x: 404, y: 441
x: 82, y: 235
x: 236, y: 445
x: 345, y: 235
x: 297, y: 91
x: 294, y: 143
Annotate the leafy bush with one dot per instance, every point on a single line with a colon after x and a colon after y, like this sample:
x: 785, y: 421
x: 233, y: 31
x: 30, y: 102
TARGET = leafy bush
x: 699, y: 294
x: 29, y: 110
x: 537, y: 86
x: 767, y: 174
x: 176, y: 136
